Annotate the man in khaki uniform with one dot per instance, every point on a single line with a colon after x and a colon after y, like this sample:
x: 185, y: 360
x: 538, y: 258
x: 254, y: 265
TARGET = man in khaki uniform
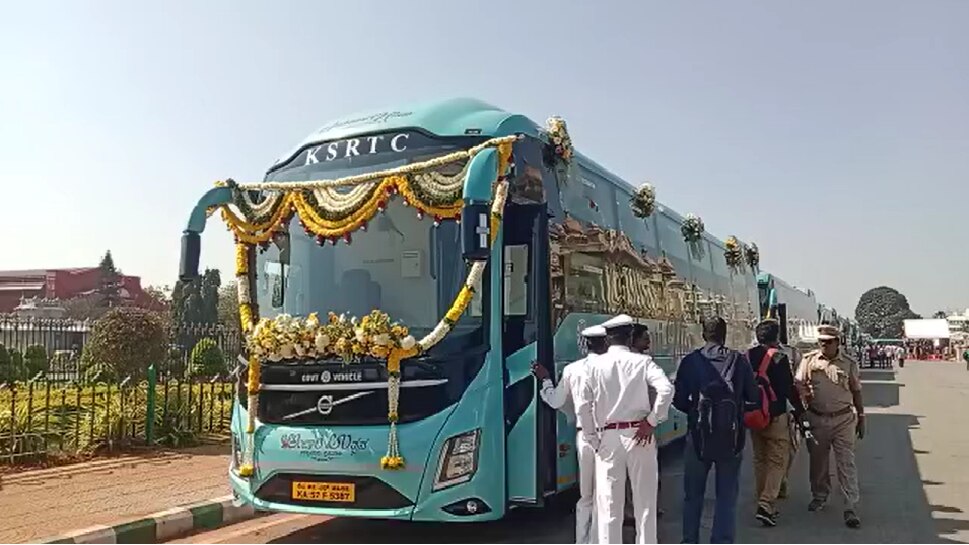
x: 830, y: 384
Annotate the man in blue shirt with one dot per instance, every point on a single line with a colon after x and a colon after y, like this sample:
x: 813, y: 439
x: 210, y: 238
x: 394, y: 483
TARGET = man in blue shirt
x: 713, y: 385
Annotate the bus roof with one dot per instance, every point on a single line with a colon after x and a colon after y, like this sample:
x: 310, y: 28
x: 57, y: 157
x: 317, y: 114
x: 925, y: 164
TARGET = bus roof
x: 454, y: 117
x: 446, y: 117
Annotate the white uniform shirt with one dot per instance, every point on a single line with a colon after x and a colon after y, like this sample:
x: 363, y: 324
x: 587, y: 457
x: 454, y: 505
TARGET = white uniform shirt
x: 563, y: 396
x: 617, y: 390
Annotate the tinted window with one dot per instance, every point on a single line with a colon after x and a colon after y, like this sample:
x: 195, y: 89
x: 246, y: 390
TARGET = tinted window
x: 721, y: 272
x: 642, y: 232
x: 589, y: 198
x: 741, y: 293
x: 702, y: 272
x: 671, y: 242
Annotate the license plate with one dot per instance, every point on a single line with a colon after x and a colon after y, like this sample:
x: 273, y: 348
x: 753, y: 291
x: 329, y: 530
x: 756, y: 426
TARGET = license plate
x: 317, y: 491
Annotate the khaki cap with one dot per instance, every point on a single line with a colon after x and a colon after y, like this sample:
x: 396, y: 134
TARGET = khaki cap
x: 828, y: 332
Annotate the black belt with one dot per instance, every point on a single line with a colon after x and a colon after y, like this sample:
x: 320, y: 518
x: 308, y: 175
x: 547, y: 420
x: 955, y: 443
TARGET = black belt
x: 841, y: 412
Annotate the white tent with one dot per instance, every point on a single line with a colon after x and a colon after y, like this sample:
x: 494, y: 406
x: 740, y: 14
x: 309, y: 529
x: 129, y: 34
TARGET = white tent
x: 927, y: 329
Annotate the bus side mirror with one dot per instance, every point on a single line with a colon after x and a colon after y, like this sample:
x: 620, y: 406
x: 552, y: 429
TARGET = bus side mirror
x: 476, y: 231
x: 188, y: 268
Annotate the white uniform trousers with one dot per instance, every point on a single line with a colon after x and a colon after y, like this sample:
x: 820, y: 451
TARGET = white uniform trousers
x: 585, y: 509
x: 619, y: 456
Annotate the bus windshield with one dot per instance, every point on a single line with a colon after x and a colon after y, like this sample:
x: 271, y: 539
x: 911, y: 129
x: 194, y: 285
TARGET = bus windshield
x: 401, y: 265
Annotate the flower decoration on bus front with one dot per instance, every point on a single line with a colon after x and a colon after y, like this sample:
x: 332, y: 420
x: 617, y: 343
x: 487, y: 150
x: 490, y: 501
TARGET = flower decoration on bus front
x: 290, y: 339
x: 329, y: 215
x: 752, y: 253
x: 692, y: 230
x: 734, y: 255
x: 643, y: 202
x: 559, y: 141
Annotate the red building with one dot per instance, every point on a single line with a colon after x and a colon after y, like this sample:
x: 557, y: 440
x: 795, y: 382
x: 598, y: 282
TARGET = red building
x: 62, y: 284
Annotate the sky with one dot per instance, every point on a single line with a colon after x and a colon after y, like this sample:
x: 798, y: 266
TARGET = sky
x: 835, y: 135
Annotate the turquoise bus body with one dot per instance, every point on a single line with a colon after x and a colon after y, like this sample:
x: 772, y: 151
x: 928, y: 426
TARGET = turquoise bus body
x: 509, y: 459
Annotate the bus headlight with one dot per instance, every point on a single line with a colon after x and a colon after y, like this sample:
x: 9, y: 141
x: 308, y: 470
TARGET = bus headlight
x: 459, y: 460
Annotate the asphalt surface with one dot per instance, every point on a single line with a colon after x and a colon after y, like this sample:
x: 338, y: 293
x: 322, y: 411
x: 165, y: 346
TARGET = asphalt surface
x: 913, y: 486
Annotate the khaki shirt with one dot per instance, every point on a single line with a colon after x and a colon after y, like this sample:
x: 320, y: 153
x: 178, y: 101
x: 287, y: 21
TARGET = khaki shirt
x: 828, y: 396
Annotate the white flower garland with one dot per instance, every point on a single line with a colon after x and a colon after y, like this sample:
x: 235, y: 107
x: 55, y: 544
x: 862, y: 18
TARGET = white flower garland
x: 265, y: 206
x: 440, y: 185
x: 242, y: 289
x: 344, y: 203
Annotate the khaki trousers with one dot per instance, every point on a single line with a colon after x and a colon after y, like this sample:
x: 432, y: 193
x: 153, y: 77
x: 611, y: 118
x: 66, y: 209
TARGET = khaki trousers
x: 838, y: 434
x: 772, y: 450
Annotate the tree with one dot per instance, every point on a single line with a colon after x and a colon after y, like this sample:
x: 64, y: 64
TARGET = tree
x: 124, y: 342
x: 8, y: 373
x: 16, y: 364
x: 159, y: 297
x: 207, y: 359
x: 109, y: 287
x: 881, y: 313
x: 85, y: 307
x: 35, y: 360
x: 197, y: 301
x: 940, y: 315
x: 229, y: 304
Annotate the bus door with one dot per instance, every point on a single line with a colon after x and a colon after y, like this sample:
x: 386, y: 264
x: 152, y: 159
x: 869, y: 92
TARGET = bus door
x: 530, y: 425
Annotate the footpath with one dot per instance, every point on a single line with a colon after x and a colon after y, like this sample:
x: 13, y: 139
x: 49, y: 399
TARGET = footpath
x: 49, y: 503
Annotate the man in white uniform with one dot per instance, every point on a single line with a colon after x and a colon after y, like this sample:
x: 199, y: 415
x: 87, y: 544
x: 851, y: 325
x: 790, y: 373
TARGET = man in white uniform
x: 615, y: 403
x: 563, y: 397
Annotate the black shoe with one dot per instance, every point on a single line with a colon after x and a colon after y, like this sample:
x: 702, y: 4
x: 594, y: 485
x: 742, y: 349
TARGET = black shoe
x: 816, y: 505
x: 852, y: 520
x: 766, y: 517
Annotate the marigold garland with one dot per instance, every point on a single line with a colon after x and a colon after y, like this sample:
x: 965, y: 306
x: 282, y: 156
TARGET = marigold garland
x: 733, y: 254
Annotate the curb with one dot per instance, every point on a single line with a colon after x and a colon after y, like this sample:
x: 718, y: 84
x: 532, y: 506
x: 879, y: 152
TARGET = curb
x: 165, y: 525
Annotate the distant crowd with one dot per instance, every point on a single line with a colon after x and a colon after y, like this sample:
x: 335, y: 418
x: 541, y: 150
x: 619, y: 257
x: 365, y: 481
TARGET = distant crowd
x: 891, y: 355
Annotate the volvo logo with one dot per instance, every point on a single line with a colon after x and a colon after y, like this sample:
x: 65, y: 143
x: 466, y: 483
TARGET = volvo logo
x: 325, y: 404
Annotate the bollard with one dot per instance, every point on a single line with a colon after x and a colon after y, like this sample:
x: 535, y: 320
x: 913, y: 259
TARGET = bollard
x: 150, y: 411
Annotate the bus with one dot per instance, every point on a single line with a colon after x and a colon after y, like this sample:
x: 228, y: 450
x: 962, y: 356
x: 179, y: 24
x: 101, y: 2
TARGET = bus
x: 799, y: 308
x: 400, y: 270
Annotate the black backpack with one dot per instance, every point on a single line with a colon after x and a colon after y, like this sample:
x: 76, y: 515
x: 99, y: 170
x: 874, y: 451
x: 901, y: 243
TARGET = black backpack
x: 719, y: 415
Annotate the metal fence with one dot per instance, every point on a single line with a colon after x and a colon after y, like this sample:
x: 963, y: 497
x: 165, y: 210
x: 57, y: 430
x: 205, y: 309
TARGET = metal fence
x: 56, y: 409
x: 63, y: 343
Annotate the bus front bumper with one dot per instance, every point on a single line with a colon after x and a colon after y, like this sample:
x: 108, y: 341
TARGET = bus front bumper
x: 456, y: 504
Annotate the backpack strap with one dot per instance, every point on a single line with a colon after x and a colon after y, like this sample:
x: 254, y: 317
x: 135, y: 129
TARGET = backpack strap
x: 765, y: 361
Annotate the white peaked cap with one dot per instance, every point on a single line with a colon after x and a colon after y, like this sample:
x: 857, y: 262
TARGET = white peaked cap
x: 618, y: 321
x: 594, y: 331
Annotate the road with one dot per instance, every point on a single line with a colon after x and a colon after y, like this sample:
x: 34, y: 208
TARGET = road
x: 911, y: 465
